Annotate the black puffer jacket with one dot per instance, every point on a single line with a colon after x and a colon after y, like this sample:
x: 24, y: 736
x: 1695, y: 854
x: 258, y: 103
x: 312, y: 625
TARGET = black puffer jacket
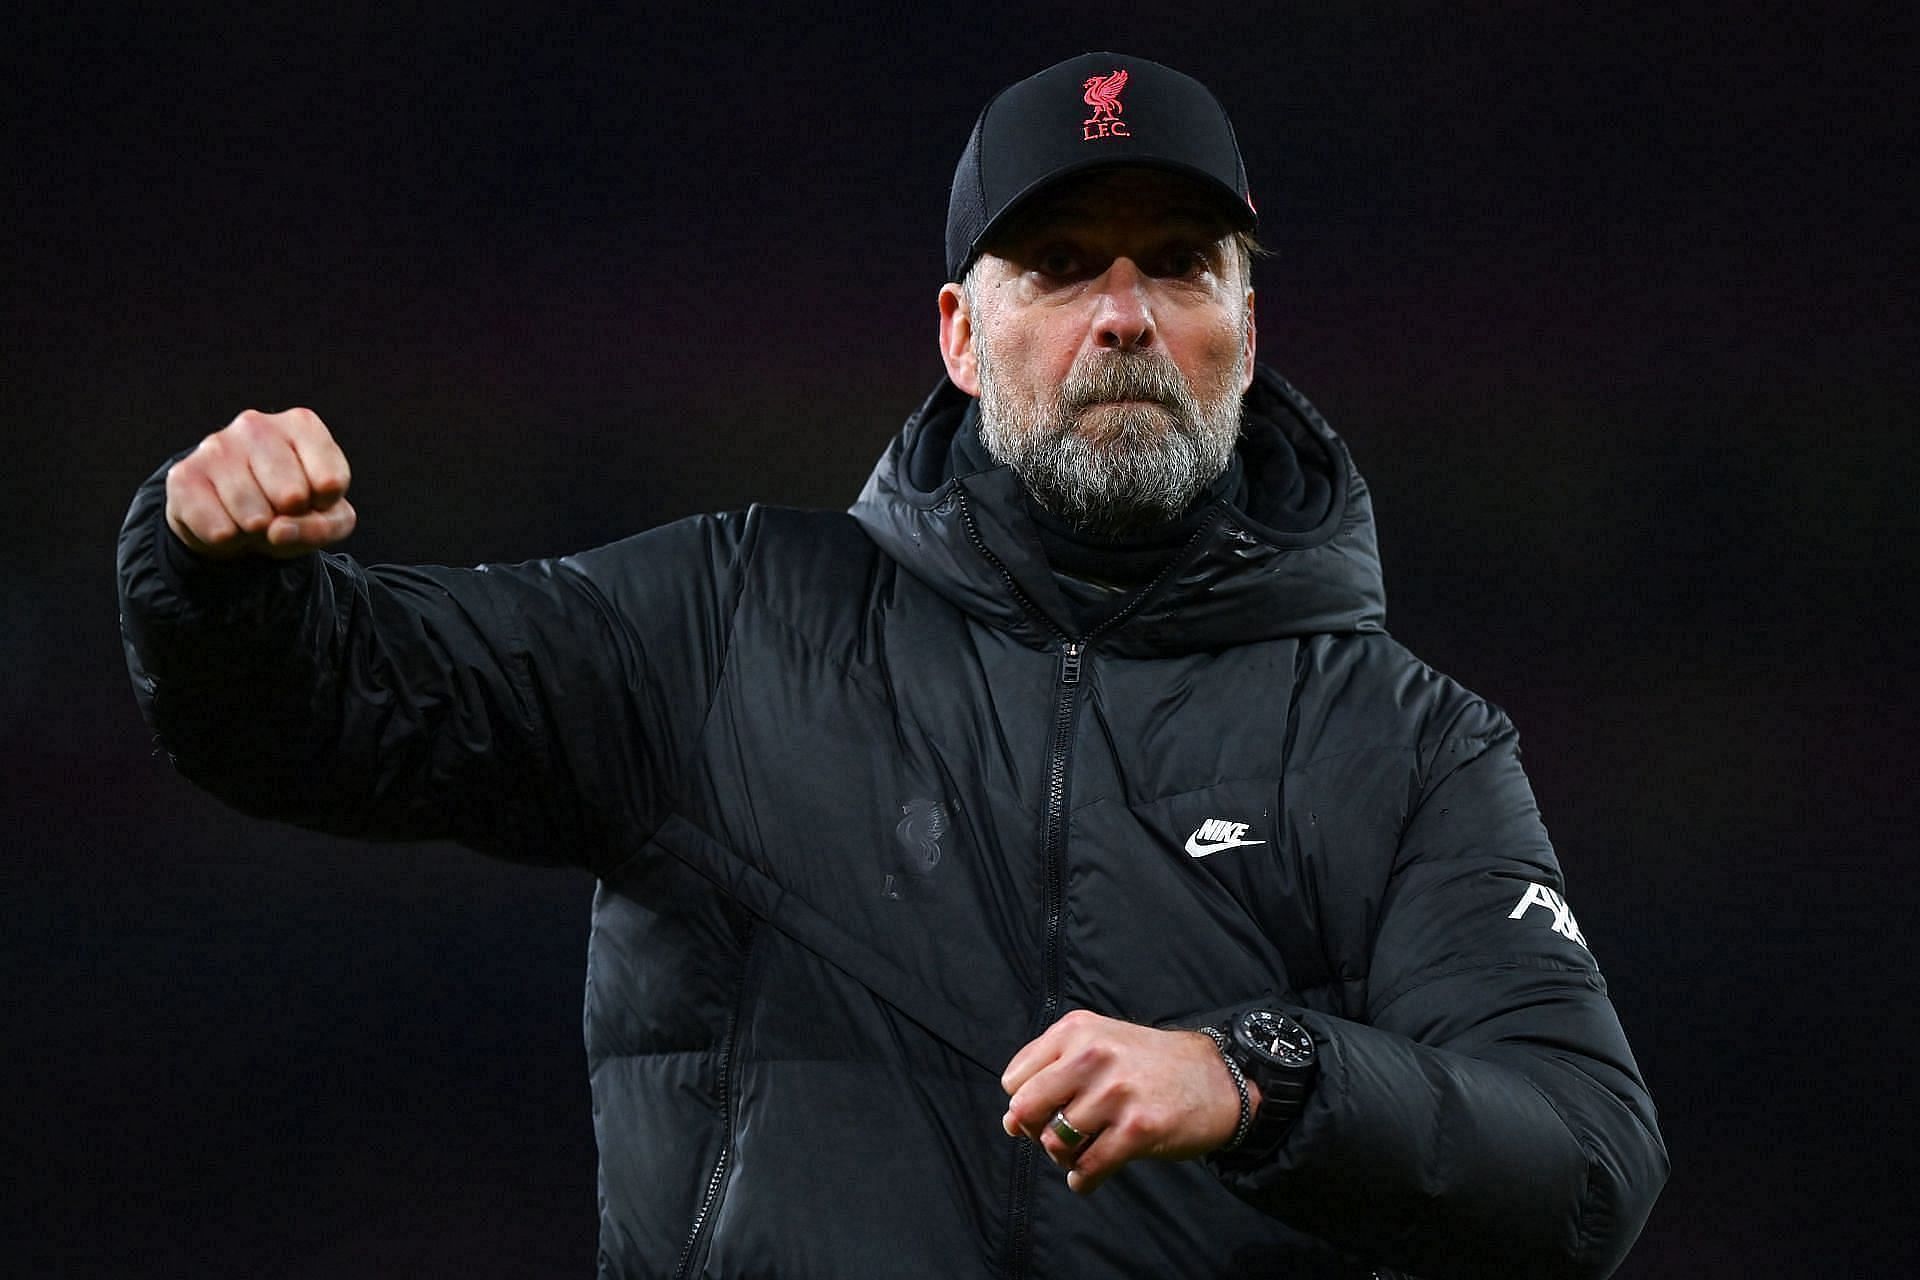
x: 867, y: 815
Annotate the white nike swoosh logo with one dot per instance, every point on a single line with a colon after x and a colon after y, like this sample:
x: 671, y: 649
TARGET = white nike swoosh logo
x: 1197, y: 849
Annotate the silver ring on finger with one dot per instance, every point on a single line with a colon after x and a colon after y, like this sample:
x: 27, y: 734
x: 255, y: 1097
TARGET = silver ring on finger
x: 1063, y: 1129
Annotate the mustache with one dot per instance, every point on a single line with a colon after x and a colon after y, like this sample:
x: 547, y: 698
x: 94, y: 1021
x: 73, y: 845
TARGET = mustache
x: 1130, y: 375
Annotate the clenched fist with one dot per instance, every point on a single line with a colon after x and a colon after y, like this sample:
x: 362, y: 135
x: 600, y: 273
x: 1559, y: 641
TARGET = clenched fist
x: 1135, y: 1092
x: 265, y: 484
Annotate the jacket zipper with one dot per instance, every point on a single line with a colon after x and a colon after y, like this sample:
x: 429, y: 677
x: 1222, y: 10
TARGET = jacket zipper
x: 1066, y: 702
x: 706, y: 1207
x: 717, y: 1180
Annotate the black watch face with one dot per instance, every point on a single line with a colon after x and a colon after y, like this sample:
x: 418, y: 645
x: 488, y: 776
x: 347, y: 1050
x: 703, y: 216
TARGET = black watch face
x: 1277, y: 1037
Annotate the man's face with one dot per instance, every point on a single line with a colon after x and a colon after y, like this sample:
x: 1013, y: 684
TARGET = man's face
x: 1108, y: 332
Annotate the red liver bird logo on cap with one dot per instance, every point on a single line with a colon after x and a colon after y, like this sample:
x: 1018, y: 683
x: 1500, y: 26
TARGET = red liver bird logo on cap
x: 1103, y: 95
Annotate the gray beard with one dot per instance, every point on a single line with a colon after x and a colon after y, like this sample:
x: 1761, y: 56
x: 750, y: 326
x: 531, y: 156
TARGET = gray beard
x: 1114, y: 470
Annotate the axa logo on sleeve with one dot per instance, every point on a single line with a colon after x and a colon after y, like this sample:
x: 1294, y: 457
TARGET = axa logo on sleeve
x: 1538, y: 895
x: 1216, y: 834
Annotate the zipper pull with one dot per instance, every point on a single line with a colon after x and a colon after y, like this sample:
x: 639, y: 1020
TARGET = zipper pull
x: 1070, y: 663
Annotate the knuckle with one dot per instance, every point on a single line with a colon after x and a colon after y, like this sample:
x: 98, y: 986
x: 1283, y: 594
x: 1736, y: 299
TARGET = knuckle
x: 327, y: 467
x: 1092, y: 1055
x: 287, y: 496
x: 206, y: 524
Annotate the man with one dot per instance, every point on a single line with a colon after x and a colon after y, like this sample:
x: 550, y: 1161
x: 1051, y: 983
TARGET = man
x: 1063, y: 808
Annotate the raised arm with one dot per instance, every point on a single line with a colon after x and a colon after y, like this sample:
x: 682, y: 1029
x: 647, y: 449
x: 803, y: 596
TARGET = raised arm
x: 533, y: 711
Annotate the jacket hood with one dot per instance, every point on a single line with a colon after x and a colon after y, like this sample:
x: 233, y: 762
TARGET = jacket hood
x: 1291, y: 551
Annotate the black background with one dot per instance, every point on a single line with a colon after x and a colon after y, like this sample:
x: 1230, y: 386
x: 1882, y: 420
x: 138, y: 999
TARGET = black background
x: 1615, y: 309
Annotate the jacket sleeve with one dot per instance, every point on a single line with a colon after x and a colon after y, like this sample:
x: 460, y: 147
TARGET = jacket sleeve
x: 1485, y: 1117
x: 534, y: 711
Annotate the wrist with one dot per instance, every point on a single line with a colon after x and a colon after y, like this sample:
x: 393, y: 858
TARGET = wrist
x: 1246, y: 1098
x: 1272, y: 1059
x: 194, y: 575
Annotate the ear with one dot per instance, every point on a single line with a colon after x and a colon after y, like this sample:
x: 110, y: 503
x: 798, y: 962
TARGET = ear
x: 956, y: 340
x: 1247, y: 356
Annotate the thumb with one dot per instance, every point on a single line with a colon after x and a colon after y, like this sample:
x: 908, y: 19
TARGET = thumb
x: 295, y: 535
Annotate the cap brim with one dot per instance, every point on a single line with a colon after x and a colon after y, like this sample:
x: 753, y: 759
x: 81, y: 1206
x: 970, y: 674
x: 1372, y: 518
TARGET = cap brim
x: 1239, y: 214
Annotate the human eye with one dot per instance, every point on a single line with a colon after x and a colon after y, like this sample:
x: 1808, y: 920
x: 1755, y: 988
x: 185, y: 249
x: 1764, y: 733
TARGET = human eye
x: 1058, y: 262
x: 1184, y: 262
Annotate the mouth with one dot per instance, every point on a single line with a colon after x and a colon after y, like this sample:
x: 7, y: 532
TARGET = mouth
x: 1123, y: 423
x: 1125, y: 401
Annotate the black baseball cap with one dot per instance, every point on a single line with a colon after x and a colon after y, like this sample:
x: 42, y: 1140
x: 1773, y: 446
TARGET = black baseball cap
x: 1095, y: 111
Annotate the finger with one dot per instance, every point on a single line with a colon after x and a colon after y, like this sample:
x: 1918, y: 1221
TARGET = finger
x: 194, y: 511
x: 222, y: 458
x: 1067, y: 1154
x: 1092, y: 1111
x: 1045, y: 1047
x: 320, y: 455
x: 296, y: 535
x: 1069, y: 1079
x: 1098, y: 1161
x: 1031, y: 1108
x: 1037, y: 1053
x: 278, y: 474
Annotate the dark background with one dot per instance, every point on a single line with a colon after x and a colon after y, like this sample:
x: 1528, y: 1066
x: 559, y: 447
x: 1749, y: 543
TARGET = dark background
x: 1615, y: 309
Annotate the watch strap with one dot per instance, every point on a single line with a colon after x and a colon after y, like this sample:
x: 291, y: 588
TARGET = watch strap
x: 1283, y: 1089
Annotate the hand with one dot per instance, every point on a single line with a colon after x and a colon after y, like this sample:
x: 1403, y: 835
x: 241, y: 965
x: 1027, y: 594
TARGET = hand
x: 1134, y: 1091
x: 266, y: 484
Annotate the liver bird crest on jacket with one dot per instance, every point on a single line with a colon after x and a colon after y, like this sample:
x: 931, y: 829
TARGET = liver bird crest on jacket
x: 1103, y: 95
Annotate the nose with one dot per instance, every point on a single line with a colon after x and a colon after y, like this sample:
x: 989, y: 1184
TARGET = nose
x: 1123, y: 314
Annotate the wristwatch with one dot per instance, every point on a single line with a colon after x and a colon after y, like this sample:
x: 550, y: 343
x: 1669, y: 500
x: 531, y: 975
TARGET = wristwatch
x: 1275, y: 1052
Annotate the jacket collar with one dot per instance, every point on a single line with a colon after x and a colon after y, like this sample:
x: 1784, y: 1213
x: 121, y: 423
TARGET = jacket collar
x: 1296, y: 556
